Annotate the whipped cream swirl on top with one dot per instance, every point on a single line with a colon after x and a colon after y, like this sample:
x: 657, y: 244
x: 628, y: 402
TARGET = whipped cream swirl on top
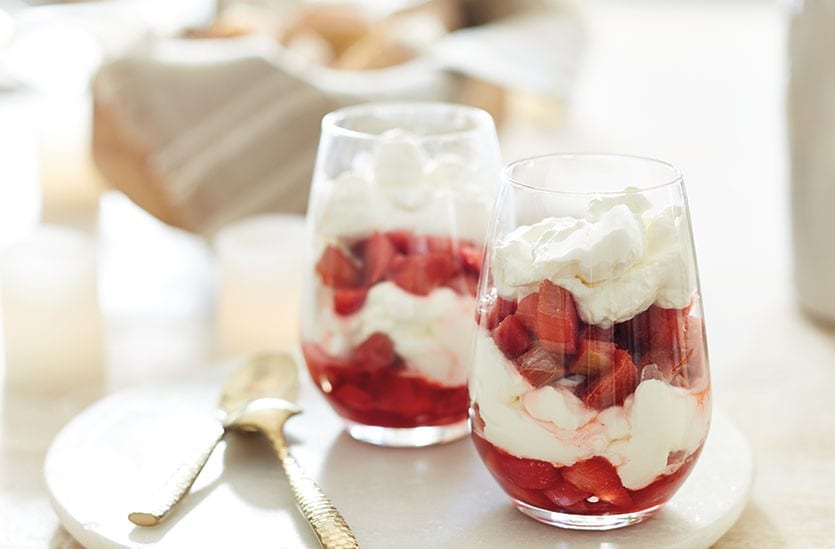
x: 398, y: 186
x: 616, y: 261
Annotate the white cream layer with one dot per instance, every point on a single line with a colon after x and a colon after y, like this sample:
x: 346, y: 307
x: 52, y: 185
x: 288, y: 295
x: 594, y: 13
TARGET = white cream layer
x: 616, y: 261
x: 433, y: 333
x: 552, y: 424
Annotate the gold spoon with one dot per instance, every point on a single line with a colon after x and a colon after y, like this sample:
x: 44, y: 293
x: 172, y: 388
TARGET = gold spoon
x: 257, y: 397
x: 268, y: 415
x: 269, y: 375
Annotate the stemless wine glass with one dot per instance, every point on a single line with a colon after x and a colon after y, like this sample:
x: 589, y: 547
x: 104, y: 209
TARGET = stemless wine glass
x: 399, y: 207
x: 590, y: 393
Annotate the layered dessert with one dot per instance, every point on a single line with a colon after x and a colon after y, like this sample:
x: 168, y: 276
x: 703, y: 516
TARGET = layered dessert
x: 590, y: 390
x: 388, y: 324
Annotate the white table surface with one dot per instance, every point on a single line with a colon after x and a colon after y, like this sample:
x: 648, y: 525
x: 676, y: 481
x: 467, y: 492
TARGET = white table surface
x: 699, y: 84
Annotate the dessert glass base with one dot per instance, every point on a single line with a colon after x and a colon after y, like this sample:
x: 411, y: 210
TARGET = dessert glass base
x: 585, y: 522
x: 407, y: 437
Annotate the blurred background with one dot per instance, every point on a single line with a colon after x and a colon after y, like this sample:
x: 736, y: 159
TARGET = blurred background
x: 138, y: 138
x: 151, y: 125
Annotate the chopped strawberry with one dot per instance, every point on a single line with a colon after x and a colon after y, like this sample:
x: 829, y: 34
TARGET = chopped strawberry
x: 599, y: 477
x: 464, y: 284
x: 377, y: 255
x: 402, y: 240
x: 420, y: 274
x: 565, y: 494
x: 628, y: 336
x: 556, y: 319
x: 658, y: 328
x: 470, y: 257
x: 349, y: 300
x: 415, y: 244
x: 612, y: 388
x: 594, y: 358
x: 539, y: 366
x: 497, y: 312
x: 526, y: 310
x: 531, y: 474
x: 597, y: 333
x: 439, y: 244
x: 669, y: 361
x: 337, y: 270
x: 511, y: 337
x: 696, y: 366
x: 376, y: 352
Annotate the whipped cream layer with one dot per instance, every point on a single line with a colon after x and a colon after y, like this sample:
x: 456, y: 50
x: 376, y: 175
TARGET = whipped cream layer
x: 552, y: 424
x: 433, y: 333
x: 616, y: 261
x: 399, y: 187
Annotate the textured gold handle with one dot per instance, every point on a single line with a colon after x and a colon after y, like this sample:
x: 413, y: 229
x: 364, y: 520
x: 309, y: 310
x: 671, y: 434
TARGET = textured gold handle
x: 327, y: 523
x: 163, y: 500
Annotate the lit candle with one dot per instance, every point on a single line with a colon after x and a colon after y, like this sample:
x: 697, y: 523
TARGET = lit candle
x: 259, y: 274
x: 51, y: 318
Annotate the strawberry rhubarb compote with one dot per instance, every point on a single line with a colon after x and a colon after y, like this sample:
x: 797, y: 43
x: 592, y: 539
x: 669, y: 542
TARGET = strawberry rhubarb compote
x: 388, y: 318
x: 590, y: 391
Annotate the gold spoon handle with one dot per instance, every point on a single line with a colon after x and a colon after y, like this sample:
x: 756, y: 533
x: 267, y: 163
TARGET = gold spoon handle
x: 327, y: 523
x: 163, y: 500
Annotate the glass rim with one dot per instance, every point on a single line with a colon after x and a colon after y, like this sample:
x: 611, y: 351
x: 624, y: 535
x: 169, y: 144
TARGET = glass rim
x: 481, y: 119
x: 675, y: 178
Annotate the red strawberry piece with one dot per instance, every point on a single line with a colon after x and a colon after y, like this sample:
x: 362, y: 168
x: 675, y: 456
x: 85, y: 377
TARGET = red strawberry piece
x: 556, y: 319
x: 539, y: 367
x: 420, y: 274
x: 599, y: 477
x: 511, y: 337
x: 440, y: 244
x: 598, y: 333
x: 337, y: 269
x: 349, y: 300
x: 464, y: 284
x: 669, y: 361
x: 668, y: 327
x: 497, y: 312
x: 402, y: 240
x: 377, y: 255
x: 613, y: 387
x: 470, y: 257
x: 627, y: 336
x: 696, y: 365
x: 594, y: 358
x: 658, y: 328
x: 409, y: 243
x: 531, y: 474
x: 376, y: 352
x: 565, y: 494
x: 526, y: 310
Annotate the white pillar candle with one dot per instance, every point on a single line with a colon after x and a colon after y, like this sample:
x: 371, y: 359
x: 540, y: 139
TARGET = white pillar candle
x: 259, y: 275
x: 51, y: 317
x: 69, y: 181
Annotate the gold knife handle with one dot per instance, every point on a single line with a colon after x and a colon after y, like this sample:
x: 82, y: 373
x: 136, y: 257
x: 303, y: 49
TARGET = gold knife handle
x: 163, y: 500
x: 327, y: 523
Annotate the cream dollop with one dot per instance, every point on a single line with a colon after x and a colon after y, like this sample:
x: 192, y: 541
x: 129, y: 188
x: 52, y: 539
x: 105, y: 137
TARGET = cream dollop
x: 401, y: 187
x: 616, y: 261
x: 552, y: 424
x: 433, y: 334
